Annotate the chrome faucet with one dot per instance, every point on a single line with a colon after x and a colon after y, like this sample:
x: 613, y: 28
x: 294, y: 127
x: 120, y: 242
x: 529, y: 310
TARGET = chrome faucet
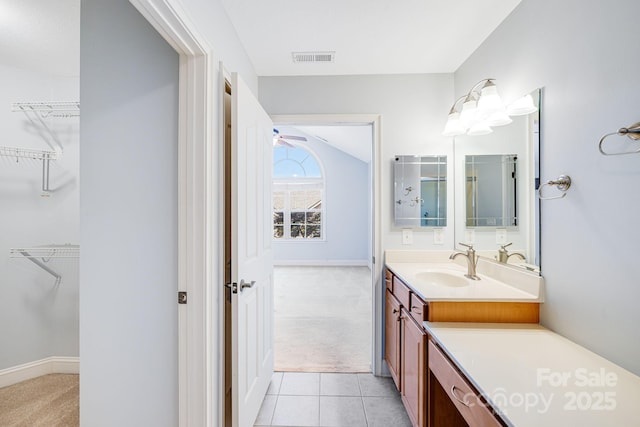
x: 472, y: 261
x: 504, y: 255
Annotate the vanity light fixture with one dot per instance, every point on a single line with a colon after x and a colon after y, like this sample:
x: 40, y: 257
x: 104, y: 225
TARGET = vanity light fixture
x: 480, y: 128
x: 454, y: 126
x: 483, y: 108
x: 522, y: 106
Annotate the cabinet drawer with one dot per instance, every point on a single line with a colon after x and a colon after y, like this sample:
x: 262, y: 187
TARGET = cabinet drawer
x: 465, y: 399
x: 402, y: 292
x: 418, y: 309
x: 388, y: 280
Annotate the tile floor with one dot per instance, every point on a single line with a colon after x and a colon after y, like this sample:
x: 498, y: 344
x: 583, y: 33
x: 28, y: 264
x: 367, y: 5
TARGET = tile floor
x: 331, y: 400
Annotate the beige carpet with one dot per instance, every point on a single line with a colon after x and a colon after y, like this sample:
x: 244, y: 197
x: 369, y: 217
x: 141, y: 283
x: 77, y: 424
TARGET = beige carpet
x: 322, y: 319
x: 47, y: 401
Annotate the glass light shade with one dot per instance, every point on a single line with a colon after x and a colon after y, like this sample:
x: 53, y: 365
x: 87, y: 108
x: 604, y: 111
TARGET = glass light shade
x: 489, y: 100
x: 468, y: 114
x: 498, y: 118
x: 522, y: 106
x: 480, y: 128
x: 453, y: 126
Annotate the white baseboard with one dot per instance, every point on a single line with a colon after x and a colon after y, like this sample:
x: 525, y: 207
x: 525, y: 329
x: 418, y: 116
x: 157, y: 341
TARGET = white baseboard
x: 323, y: 262
x: 50, y: 365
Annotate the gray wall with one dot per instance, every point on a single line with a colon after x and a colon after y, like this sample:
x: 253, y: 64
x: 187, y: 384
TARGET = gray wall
x: 582, y: 53
x: 412, y: 118
x: 346, y: 212
x: 37, y: 318
x: 128, y: 220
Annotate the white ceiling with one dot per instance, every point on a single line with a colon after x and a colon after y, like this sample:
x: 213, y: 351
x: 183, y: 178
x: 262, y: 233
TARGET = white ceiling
x: 355, y: 140
x: 368, y: 36
x: 41, y: 35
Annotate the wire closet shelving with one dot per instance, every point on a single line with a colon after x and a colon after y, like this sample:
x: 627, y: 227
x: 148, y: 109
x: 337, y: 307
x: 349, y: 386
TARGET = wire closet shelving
x: 37, y: 112
x: 42, y: 255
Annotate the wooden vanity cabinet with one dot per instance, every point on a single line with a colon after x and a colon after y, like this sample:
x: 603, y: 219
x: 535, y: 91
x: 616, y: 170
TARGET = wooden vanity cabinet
x: 392, y: 336
x: 413, y: 369
x: 405, y: 348
x: 462, y: 311
x: 453, y: 402
x: 418, y: 309
x: 424, y: 376
x: 388, y: 280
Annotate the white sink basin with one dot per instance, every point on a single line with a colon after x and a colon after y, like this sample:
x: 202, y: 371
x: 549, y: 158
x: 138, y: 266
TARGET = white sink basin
x: 445, y: 281
x: 442, y: 278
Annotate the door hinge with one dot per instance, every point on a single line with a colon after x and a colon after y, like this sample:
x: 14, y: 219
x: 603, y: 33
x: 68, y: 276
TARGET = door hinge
x: 373, y: 260
x: 182, y: 297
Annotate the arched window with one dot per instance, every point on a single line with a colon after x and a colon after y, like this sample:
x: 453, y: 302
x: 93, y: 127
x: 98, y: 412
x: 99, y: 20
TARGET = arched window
x: 298, y: 194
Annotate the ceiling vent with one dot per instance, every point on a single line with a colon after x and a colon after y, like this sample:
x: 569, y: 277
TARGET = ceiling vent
x: 300, y: 57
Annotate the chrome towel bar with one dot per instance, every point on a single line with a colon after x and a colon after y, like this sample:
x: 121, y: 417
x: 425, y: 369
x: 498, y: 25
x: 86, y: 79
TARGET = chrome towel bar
x: 562, y: 183
x: 632, y: 132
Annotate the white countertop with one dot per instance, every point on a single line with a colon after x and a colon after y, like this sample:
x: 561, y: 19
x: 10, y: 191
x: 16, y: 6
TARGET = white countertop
x: 486, y: 289
x: 536, y: 377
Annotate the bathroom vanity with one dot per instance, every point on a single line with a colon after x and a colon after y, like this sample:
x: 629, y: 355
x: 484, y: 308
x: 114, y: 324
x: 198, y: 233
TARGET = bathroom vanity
x: 489, y: 374
x: 471, y: 353
x: 437, y: 291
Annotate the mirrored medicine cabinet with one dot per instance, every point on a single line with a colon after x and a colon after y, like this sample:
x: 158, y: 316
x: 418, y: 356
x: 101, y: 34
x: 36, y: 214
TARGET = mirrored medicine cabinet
x: 420, y: 191
x: 493, y: 184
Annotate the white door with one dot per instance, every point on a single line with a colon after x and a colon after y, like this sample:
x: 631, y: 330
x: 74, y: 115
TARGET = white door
x: 252, y: 261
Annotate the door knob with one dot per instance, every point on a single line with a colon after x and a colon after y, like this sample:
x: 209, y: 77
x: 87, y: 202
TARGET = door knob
x: 244, y: 284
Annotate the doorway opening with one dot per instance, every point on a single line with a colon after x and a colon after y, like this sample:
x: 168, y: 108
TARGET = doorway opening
x: 323, y: 238
x: 39, y: 192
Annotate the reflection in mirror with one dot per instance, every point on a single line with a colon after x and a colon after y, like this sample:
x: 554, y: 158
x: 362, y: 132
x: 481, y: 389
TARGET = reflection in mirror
x: 517, y: 220
x: 420, y: 191
x: 491, y: 190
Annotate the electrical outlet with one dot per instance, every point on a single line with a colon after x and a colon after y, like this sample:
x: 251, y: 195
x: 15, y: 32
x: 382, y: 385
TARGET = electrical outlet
x: 501, y: 236
x: 438, y: 236
x: 407, y: 236
x: 470, y: 236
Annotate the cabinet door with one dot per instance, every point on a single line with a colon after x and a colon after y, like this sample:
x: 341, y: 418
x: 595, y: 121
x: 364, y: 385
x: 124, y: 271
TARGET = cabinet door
x: 392, y: 337
x: 413, y: 377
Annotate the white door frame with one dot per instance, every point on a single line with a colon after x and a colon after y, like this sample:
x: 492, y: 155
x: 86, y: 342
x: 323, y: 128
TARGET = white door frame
x: 197, y: 369
x: 360, y: 119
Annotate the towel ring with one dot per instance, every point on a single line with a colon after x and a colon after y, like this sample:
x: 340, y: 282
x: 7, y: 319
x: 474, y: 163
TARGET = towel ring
x: 632, y: 132
x: 563, y: 183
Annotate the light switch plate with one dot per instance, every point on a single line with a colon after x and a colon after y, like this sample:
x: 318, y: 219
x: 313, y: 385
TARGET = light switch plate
x: 407, y: 236
x: 501, y: 236
x: 438, y: 236
x: 470, y: 236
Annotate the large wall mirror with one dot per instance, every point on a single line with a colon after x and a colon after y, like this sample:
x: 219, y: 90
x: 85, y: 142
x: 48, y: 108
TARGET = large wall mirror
x: 420, y: 191
x: 495, y: 182
x: 491, y: 191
